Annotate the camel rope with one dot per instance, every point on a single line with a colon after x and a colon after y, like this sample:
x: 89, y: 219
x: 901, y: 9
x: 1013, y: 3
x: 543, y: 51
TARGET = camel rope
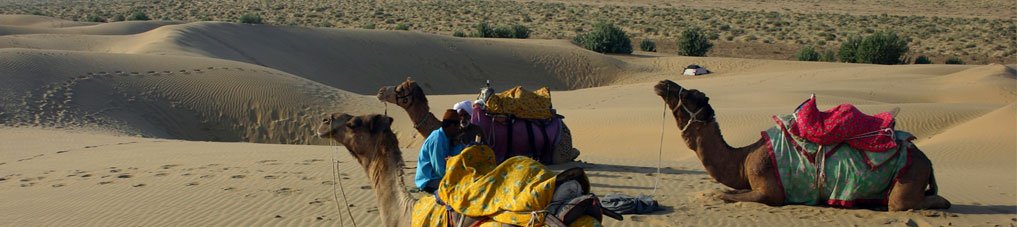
x: 338, y: 180
x: 660, y: 147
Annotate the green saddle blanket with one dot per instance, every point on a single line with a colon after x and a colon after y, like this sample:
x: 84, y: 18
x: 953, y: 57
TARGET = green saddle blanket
x: 839, y: 175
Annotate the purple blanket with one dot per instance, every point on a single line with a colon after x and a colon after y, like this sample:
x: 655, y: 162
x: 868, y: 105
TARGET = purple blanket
x: 509, y: 137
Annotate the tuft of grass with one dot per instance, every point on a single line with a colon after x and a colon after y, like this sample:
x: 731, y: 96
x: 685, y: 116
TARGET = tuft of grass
x: 402, y: 26
x: 922, y: 60
x: 250, y: 19
x: 94, y: 18
x: 954, y: 61
x: 648, y: 45
x: 807, y: 53
x: 139, y: 16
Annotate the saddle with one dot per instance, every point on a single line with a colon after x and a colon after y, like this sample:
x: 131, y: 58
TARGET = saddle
x: 519, y: 103
x: 518, y: 192
x: 844, y: 124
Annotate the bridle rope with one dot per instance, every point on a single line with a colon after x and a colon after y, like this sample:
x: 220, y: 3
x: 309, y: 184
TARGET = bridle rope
x: 336, y: 179
x: 692, y: 115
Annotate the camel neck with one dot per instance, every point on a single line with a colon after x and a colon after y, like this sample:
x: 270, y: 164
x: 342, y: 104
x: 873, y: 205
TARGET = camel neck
x: 423, y: 120
x: 386, y: 173
x: 723, y: 162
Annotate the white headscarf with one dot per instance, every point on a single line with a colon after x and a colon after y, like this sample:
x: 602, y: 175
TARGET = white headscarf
x: 464, y: 105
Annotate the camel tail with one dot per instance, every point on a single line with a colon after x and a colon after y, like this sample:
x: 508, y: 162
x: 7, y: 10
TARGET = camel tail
x: 933, y: 187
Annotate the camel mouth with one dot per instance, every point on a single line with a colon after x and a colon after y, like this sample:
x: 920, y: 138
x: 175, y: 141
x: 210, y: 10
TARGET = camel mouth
x: 385, y: 92
x: 324, y: 134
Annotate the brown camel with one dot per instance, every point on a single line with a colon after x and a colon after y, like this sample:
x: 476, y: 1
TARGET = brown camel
x: 750, y: 171
x: 370, y: 140
x: 411, y: 98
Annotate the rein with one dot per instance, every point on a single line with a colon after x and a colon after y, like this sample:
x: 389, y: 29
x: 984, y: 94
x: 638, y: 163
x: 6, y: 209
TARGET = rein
x: 692, y: 115
x: 336, y: 179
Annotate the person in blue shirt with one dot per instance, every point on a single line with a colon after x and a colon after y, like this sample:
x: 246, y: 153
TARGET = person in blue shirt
x: 437, y: 148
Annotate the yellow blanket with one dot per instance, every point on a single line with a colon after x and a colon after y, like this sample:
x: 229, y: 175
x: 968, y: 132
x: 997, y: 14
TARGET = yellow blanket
x: 475, y: 186
x: 521, y: 103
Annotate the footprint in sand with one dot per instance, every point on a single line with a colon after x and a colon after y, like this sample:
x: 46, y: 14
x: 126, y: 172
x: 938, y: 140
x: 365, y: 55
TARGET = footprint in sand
x: 86, y: 175
x: 192, y: 184
x: 138, y: 185
x: 270, y: 177
x: 29, y: 184
x: 105, y: 182
x: 160, y: 174
x: 168, y: 166
x: 124, y: 176
x: 206, y: 176
x: 58, y: 185
x: 238, y: 176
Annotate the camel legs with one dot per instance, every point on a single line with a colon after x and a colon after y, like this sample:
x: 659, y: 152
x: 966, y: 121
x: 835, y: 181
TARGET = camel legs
x: 762, y: 181
x: 909, y: 191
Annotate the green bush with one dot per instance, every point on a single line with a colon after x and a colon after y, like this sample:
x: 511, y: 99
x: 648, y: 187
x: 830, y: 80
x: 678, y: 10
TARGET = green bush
x: 94, y: 18
x: 807, y: 53
x: 693, y: 42
x: 922, y: 60
x: 828, y: 56
x: 954, y: 61
x: 368, y: 26
x: 402, y: 26
x: 520, y: 31
x: 503, y: 32
x: 483, y: 30
x: 138, y: 16
x: 250, y: 19
x: 605, y: 38
x: 848, y: 49
x: 648, y: 45
x: 119, y: 18
x: 882, y: 48
x: 458, y: 33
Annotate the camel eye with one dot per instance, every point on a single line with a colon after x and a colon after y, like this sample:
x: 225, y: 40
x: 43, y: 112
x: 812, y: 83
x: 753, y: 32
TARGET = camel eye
x: 325, y: 120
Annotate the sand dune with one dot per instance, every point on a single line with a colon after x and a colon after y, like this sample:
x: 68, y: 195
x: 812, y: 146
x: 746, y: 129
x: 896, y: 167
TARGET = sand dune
x: 75, y: 98
x: 337, y: 56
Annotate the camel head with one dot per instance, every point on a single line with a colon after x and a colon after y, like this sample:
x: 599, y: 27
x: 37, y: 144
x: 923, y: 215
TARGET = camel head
x: 362, y: 135
x: 405, y: 94
x: 688, y: 105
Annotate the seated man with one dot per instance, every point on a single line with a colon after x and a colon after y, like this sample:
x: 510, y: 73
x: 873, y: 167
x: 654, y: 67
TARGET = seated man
x: 471, y: 134
x: 438, y: 147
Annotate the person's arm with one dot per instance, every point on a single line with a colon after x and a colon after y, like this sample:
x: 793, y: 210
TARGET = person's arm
x: 439, y: 150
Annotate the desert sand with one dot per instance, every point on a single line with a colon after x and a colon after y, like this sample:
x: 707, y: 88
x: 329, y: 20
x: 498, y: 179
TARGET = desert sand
x: 209, y: 123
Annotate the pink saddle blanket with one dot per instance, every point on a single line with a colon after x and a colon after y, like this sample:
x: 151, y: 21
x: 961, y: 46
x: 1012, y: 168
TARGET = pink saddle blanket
x: 844, y: 123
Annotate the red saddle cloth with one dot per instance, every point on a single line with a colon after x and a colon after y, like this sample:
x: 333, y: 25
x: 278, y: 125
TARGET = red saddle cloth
x: 844, y: 123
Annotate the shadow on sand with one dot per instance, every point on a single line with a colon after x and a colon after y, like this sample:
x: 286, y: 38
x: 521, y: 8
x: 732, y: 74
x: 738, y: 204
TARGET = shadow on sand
x: 592, y: 167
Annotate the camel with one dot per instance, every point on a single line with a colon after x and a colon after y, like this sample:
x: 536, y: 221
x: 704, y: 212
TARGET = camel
x: 411, y: 98
x: 370, y: 140
x: 750, y: 170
